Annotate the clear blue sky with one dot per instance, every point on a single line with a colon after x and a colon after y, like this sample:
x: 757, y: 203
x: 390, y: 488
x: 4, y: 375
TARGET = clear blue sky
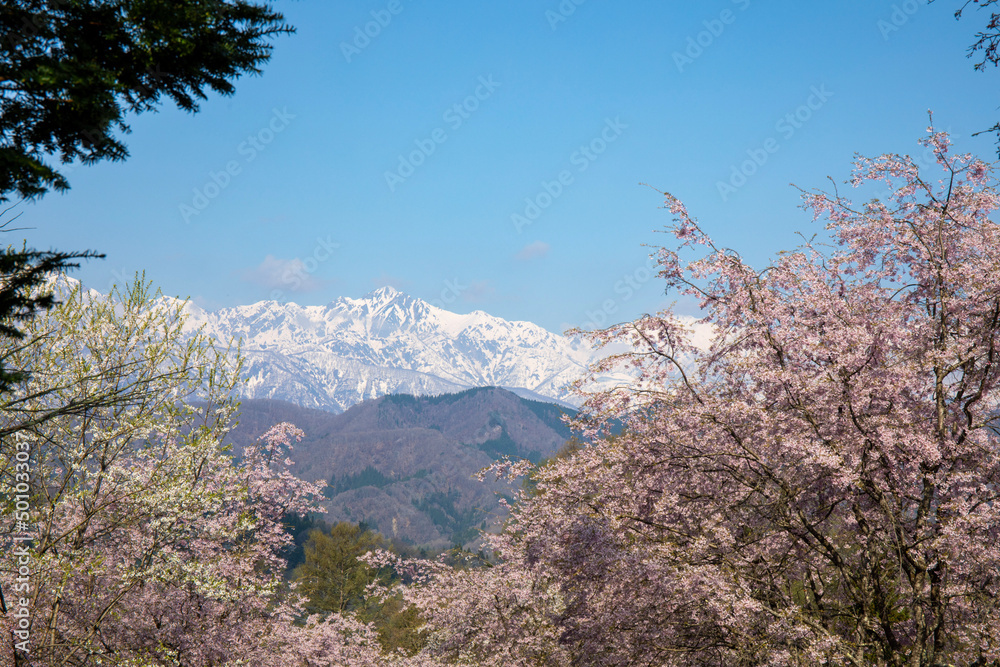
x: 307, y: 213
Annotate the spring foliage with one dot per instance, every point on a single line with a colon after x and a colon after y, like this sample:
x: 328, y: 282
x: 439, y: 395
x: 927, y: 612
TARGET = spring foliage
x: 151, y: 544
x: 819, y: 486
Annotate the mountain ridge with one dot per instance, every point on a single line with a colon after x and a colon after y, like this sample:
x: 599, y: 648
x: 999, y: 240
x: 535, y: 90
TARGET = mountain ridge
x: 336, y: 355
x: 406, y: 464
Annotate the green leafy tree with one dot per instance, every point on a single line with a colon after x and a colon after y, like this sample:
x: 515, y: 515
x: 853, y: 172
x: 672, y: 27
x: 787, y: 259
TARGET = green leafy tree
x: 398, y: 626
x: 336, y: 580
x: 332, y: 577
x: 71, y: 71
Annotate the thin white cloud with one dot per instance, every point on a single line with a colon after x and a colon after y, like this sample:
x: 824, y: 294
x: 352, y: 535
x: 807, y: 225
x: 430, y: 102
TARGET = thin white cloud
x: 533, y: 251
x: 290, y: 275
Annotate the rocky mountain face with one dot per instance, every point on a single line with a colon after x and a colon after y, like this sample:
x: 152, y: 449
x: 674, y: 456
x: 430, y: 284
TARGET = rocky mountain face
x: 406, y: 465
x: 334, y: 356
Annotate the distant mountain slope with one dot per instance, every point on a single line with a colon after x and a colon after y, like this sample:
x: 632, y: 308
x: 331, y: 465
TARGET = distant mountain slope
x: 406, y: 464
x: 331, y: 357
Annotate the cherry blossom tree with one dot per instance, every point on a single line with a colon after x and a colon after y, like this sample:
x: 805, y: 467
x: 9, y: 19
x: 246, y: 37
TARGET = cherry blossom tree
x: 150, y: 543
x: 820, y: 486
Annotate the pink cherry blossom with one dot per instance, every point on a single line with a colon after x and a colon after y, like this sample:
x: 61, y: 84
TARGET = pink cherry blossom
x: 819, y: 486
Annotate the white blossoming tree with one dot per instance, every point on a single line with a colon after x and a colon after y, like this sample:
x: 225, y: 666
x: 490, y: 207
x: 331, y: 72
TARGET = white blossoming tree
x: 150, y: 544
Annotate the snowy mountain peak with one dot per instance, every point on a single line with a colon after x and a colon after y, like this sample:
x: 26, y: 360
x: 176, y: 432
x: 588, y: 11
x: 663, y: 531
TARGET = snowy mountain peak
x: 386, y: 342
x: 382, y: 294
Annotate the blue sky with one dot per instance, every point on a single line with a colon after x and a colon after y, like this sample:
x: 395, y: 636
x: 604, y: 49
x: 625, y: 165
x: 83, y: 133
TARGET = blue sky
x: 491, y: 156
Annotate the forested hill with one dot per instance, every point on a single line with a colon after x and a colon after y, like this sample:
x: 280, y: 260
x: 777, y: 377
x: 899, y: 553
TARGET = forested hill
x: 407, y: 464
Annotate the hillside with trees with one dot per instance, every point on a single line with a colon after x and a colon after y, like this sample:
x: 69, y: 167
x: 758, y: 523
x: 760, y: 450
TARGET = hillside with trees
x: 406, y: 465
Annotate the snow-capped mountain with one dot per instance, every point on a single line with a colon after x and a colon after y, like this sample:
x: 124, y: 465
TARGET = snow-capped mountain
x: 334, y: 356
